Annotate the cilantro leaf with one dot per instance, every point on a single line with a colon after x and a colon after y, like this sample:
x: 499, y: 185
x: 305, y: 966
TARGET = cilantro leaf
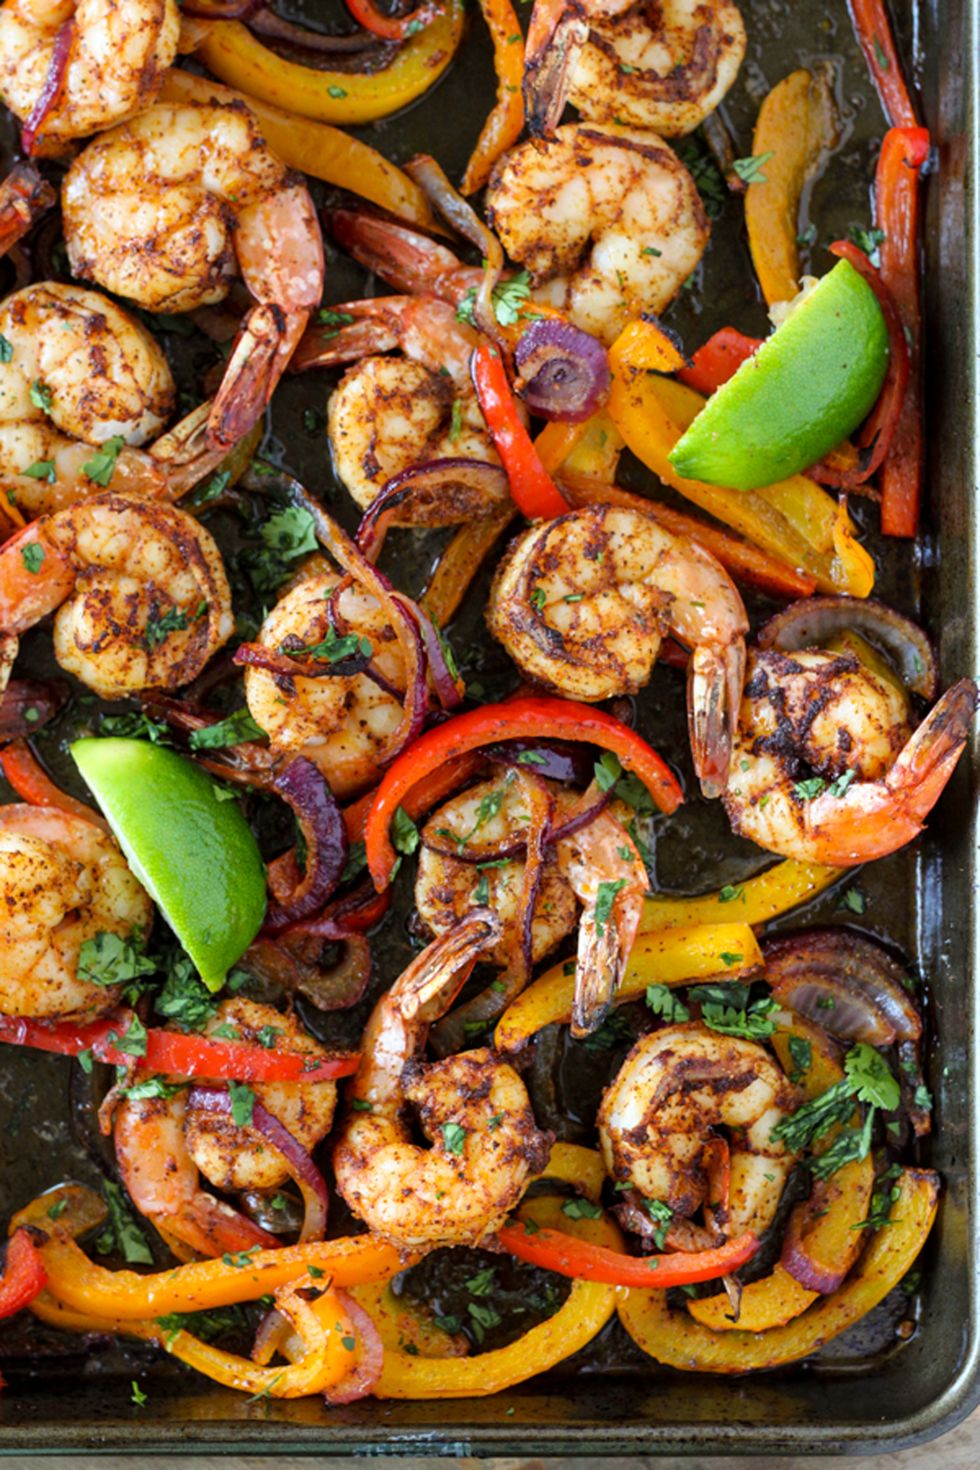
x: 242, y: 1104
x: 102, y: 464
x: 233, y: 730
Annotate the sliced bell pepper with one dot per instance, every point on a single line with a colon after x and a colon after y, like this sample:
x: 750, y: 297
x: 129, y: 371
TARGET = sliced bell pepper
x: 903, y: 154
x: 587, y: 1309
x: 676, y: 957
x: 390, y: 27
x: 318, y: 149
x: 646, y: 346
x: 674, y: 1339
x: 426, y: 794
x: 794, y: 519
x: 32, y: 783
x: 23, y: 1273
x: 874, y: 33
x: 558, y: 1251
x: 177, y: 1053
x: 404, y: 1325
x: 718, y: 360
x: 237, y: 56
x: 755, y: 901
x: 745, y: 562
x: 459, y: 563
x: 506, y: 120
x: 515, y: 719
x: 796, y: 127
x: 556, y: 441
x: 534, y: 491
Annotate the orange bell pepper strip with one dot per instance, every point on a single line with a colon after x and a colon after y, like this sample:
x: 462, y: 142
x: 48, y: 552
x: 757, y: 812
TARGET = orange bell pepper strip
x: 793, y: 520
x: 236, y: 56
x: 558, y: 1251
x: 874, y: 33
x: 746, y: 563
x: 903, y: 154
x: 319, y: 150
x: 390, y: 27
x: 556, y: 441
x: 681, y: 956
x: 647, y: 346
x: 32, y: 784
x: 529, y: 715
x: 533, y: 490
x: 778, y: 890
x: 459, y: 563
x: 674, y: 1339
x: 796, y: 127
x: 503, y: 127
x: 587, y: 1309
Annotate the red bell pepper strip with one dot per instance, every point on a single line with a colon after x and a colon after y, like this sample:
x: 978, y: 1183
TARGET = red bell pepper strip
x: 530, y: 715
x: 874, y: 32
x: 903, y: 153
x: 717, y: 361
x: 534, y: 491
x: 390, y: 27
x: 24, y: 1274
x: 32, y: 783
x: 182, y: 1055
x: 879, y: 428
x: 583, y: 1261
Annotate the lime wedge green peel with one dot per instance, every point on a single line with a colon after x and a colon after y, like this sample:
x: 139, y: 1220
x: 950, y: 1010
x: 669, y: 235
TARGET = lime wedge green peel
x: 809, y: 385
x: 194, y: 853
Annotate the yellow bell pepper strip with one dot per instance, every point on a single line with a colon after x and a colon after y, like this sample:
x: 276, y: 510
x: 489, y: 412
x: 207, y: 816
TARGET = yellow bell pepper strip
x: 676, y: 957
x: 459, y: 563
x: 646, y: 346
x: 587, y: 1309
x: 796, y: 127
x: 674, y: 1339
x: 581, y: 1167
x: 794, y: 520
x: 503, y: 127
x: 513, y: 719
x: 557, y: 440
x: 557, y: 1250
x: 755, y: 901
x: 236, y: 56
x: 835, y: 1215
x: 319, y: 150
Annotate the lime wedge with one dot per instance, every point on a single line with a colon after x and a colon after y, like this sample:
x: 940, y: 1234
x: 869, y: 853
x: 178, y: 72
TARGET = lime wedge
x: 194, y: 853
x: 808, y: 386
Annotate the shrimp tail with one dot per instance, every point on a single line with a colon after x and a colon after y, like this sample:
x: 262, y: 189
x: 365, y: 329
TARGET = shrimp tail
x: 557, y: 33
x: 24, y: 197
x: 211, y: 1227
x: 34, y: 578
x: 258, y: 360
x: 920, y: 773
x: 603, y: 951
x: 714, y: 694
x: 329, y: 346
x: 183, y: 456
x: 405, y: 259
x: 431, y: 983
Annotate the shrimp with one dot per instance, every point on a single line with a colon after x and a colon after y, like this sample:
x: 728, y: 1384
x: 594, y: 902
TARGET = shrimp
x: 104, y: 60
x: 826, y: 767
x: 343, y: 723
x: 657, y: 1121
x: 389, y: 413
x: 582, y: 602
x: 663, y: 67
x: 140, y: 590
x: 473, y: 1109
x: 77, y: 371
x: 62, y: 881
x: 162, y: 209
x: 606, y: 219
x: 163, y: 1144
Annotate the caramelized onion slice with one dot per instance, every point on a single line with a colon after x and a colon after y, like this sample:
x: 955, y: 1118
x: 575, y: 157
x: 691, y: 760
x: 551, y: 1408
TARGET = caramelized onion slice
x: 811, y: 622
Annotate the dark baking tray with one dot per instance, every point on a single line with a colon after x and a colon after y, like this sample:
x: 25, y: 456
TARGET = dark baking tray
x: 871, y: 1390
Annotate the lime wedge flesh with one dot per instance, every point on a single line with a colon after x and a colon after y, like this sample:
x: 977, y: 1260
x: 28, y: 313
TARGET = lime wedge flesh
x: 194, y: 853
x: 808, y: 386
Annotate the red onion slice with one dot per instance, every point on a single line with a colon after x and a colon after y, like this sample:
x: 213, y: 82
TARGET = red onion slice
x: 266, y: 22
x: 294, y: 894
x: 54, y: 85
x: 289, y: 964
x: 370, y: 1356
x: 449, y: 688
x: 26, y: 705
x: 301, y: 1166
x: 564, y: 372
x: 812, y: 621
x: 556, y: 760
x: 442, y: 492
x: 464, y: 219
x: 802, y: 1265
x: 838, y: 961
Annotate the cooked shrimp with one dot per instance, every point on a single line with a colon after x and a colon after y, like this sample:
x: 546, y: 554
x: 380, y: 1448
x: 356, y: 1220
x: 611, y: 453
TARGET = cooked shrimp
x: 164, y: 1144
x: 116, y: 57
x: 658, y: 1119
x: 606, y: 219
x: 473, y: 1109
x: 140, y: 590
x: 162, y: 209
x: 77, y: 371
x: 343, y: 723
x: 581, y: 604
x: 62, y: 881
x: 388, y: 413
x: 24, y: 197
x: 663, y: 67
x: 826, y: 767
